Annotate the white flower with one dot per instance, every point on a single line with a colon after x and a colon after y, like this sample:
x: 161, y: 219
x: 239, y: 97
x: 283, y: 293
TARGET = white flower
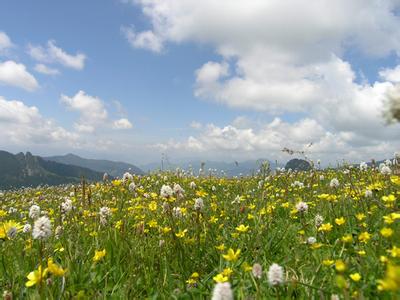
x: 368, y: 193
x: 127, y: 177
x: 192, y: 185
x: 302, y: 207
x: 298, y: 184
x: 222, y: 291
x: 236, y: 200
x: 275, y: 274
x: 178, y: 189
x: 363, y: 166
x: 177, y: 212
x: 66, y: 206
x: 318, y: 220
x: 105, y: 177
x: 213, y: 188
x: 321, y: 177
x: 132, y: 187
x: 104, y: 213
x: 311, y: 240
x: 34, y: 212
x: 166, y: 191
x: 41, y: 228
x: 27, y: 228
x: 198, y: 204
x: 388, y: 162
x: 385, y: 170
x: 12, y: 210
x: 58, y: 232
x: 257, y: 270
x: 334, y: 183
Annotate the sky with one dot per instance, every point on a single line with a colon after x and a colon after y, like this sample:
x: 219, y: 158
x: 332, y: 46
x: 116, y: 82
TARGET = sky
x: 218, y: 80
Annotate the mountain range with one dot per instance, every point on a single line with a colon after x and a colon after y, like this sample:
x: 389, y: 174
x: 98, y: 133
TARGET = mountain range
x: 24, y: 170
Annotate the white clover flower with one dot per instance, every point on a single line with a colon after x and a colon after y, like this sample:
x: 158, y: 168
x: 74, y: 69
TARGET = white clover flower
x: 368, y: 193
x: 34, y: 212
x: 222, y: 291
x: 302, y: 207
x: 132, y: 187
x: 27, y: 228
x: 311, y: 240
x: 41, y: 228
x: 318, y: 220
x: 178, y: 190
x: 385, y: 170
x: 334, y: 183
x: 177, y: 212
x: 363, y: 166
x: 166, y: 191
x: 257, y: 270
x: 275, y: 274
x: 198, y: 204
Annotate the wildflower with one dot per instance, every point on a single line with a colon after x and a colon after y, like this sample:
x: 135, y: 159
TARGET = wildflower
x: 36, y: 277
x: 340, y: 266
x: 127, y: 177
x: 220, y: 278
x: 177, y: 212
x: 328, y: 262
x: 257, y: 270
x: 242, y: 228
x: 41, y: 228
x: 385, y: 170
x: 364, y: 237
x: 178, y: 190
x: 132, y: 187
x: 318, y: 220
x: 231, y: 255
x: 334, y: 183
x: 192, y: 185
x: 325, y: 227
x: 34, y: 212
x: 98, y: 255
x: 27, y: 228
x: 302, y: 207
x: 66, y: 206
x: 386, y: 232
x: 355, y: 277
x: 222, y: 291
x: 360, y: 216
x: 347, y: 238
x: 311, y: 240
x: 153, y: 205
x: 368, y: 193
x: 391, y: 282
x: 363, y: 166
x: 275, y: 274
x: 198, y: 204
x: 166, y: 191
x: 394, y: 252
x: 181, y: 233
x: 340, y: 221
x: 105, y: 177
x: 54, y: 268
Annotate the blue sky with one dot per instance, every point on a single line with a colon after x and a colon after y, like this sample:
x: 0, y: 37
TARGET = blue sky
x: 201, y: 87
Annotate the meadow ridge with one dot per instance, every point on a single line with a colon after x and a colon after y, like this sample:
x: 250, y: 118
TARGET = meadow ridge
x: 321, y: 234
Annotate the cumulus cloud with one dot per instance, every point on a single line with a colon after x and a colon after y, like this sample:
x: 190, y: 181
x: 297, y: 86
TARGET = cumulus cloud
x: 144, y: 40
x: 15, y: 74
x: 5, y: 42
x: 122, y: 123
x: 282, y: 57
x: 53, y: 54
x: 41, y: 68
x: 92, y: 113
x: 24, y: 125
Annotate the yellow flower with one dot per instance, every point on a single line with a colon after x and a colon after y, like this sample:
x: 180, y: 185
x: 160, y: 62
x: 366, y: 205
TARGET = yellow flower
x: 395, y: 252
x: 328, y: 262
x: 231, y: 255
x: 227, y: 272
x: 316, y: 246
x: 340, y: 266
x: 325, y: 227
x: 361, y: 252
x: 220, y: 247
x: 383, y: 259
x: 98, y: 255
x: 391, y: 198
x: 364, y: 237
x: 181, y: 233
x: 166, y: 229
x: 355, y: 277
x: 360, y: 216
x: 395, y: 179
x: 220, y: 278
x: 391, y: 282
x: 153, y: 205
x: 54, y: 268
x: 36, y: 277
x: 242, y: 228
x: 7, y: 227
x: 386, y: 232
x: 347, y: 238
x: 118, y: 225
x: 340, y: 221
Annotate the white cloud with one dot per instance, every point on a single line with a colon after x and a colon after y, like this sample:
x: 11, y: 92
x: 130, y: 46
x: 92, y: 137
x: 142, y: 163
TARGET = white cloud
x: 5, y: 42
x: 273, y: 65
x: 122, y: 123
x: 41, y: 68
x: 143, y: 40
x: 15, y: 74
x: 24, y: 125
x: 196, y: 125
x: 92, y: 113
x: 53, y: 54
x: 392, y: 75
